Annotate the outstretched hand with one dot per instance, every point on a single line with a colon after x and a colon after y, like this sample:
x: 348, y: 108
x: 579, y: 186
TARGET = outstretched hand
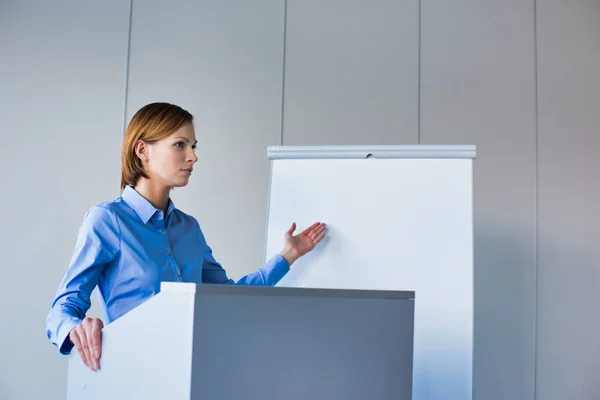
x: 297, y: 246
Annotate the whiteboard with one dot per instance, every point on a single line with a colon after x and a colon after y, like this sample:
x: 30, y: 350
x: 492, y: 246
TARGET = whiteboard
x: 398, y: 218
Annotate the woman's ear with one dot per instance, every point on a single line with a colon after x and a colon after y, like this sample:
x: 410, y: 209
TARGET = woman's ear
x: 141, y: 150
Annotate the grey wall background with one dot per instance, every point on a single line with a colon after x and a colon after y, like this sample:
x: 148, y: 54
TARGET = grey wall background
x: 517, y: 78
x: 62, y: 82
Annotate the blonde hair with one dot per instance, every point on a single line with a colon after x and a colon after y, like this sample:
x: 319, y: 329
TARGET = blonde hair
x: 152, y: 122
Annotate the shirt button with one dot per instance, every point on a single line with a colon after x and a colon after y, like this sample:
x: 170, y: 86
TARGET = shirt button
x: 178, y: 276
x: 169, y: 254
x: 162, y: 230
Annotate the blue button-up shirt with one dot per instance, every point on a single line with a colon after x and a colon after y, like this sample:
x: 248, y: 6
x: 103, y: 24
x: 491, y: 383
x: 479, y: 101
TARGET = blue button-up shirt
x: 127, y: 247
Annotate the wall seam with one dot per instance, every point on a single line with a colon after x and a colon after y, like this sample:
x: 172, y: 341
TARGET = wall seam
x: 283, y: 72
x: 419, y: 77
x: 127, y: 68
x: 536, y: 195
x: 126, y: 88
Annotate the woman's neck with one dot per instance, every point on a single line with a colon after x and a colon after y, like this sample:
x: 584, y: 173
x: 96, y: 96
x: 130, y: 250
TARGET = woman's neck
x: 157, y: 195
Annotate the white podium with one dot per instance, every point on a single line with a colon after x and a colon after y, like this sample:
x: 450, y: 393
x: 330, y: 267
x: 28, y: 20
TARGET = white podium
x: 242, y: 342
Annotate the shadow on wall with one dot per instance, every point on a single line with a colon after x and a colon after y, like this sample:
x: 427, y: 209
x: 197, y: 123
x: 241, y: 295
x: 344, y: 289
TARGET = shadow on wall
x: 504, y: 311
x: 568, y: 320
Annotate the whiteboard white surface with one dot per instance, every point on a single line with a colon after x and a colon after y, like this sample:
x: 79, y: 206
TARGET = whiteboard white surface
x: 392, y: 224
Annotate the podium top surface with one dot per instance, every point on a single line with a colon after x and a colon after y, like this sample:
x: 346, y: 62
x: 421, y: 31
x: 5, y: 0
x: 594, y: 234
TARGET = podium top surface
x: 184, y: 287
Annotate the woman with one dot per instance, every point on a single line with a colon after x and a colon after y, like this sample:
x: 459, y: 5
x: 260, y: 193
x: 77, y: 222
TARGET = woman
x: 129, y: 245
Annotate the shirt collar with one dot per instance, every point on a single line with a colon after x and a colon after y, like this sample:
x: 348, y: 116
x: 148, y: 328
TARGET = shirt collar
x: 144, y: 209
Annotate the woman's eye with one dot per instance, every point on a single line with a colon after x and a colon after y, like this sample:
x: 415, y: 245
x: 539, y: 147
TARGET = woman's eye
x: 179, y: 144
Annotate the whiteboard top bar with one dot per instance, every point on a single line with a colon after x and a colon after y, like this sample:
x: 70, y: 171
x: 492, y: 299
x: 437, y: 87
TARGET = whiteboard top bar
x: 374, y: 151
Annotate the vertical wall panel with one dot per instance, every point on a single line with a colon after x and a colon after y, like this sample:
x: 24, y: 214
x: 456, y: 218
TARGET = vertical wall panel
x: 568, y: 359
x: 222, y: 61
x: 351, y: 72
x: 62, y: 84
x: 478, y: 87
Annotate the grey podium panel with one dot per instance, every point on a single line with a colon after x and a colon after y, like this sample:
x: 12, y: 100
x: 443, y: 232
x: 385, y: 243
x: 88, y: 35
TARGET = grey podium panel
x: 297, y: 343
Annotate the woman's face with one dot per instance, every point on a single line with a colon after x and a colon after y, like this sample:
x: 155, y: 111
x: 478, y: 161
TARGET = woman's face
x: 170, y: 161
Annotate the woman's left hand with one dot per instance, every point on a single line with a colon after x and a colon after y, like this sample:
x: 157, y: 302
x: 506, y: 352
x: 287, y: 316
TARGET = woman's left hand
x: 297, y: 246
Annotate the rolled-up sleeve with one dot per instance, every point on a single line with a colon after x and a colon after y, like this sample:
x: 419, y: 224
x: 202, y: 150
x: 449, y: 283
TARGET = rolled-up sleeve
x: 98, y: 243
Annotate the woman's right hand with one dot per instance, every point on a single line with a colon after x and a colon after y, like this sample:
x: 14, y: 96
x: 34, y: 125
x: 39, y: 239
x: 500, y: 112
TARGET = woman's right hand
x: 87, y: 338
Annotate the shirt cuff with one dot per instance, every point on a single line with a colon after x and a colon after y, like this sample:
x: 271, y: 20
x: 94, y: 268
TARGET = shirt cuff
x: 275, y: 269
x: 64, y: 343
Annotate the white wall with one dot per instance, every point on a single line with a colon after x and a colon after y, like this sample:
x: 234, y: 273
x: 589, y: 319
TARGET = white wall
x: 568, y: 339
x: 518, y: 79
x: 351, y: 72
x: 62, y: 81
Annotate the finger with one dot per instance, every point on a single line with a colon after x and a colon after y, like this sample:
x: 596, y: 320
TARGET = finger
x: 85, y: 347
x: 319, y: 226
x: 89, y: 334
x: 318, y: 238
x: 77, y: 342
x: 310, y: 228
x: 85, y: 356
x: 292, y: 228
x: 97, y: 341
x: 317, y: 231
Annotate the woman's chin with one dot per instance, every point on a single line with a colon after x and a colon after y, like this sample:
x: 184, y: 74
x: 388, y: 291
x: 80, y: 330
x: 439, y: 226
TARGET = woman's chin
x: 181, y: 182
